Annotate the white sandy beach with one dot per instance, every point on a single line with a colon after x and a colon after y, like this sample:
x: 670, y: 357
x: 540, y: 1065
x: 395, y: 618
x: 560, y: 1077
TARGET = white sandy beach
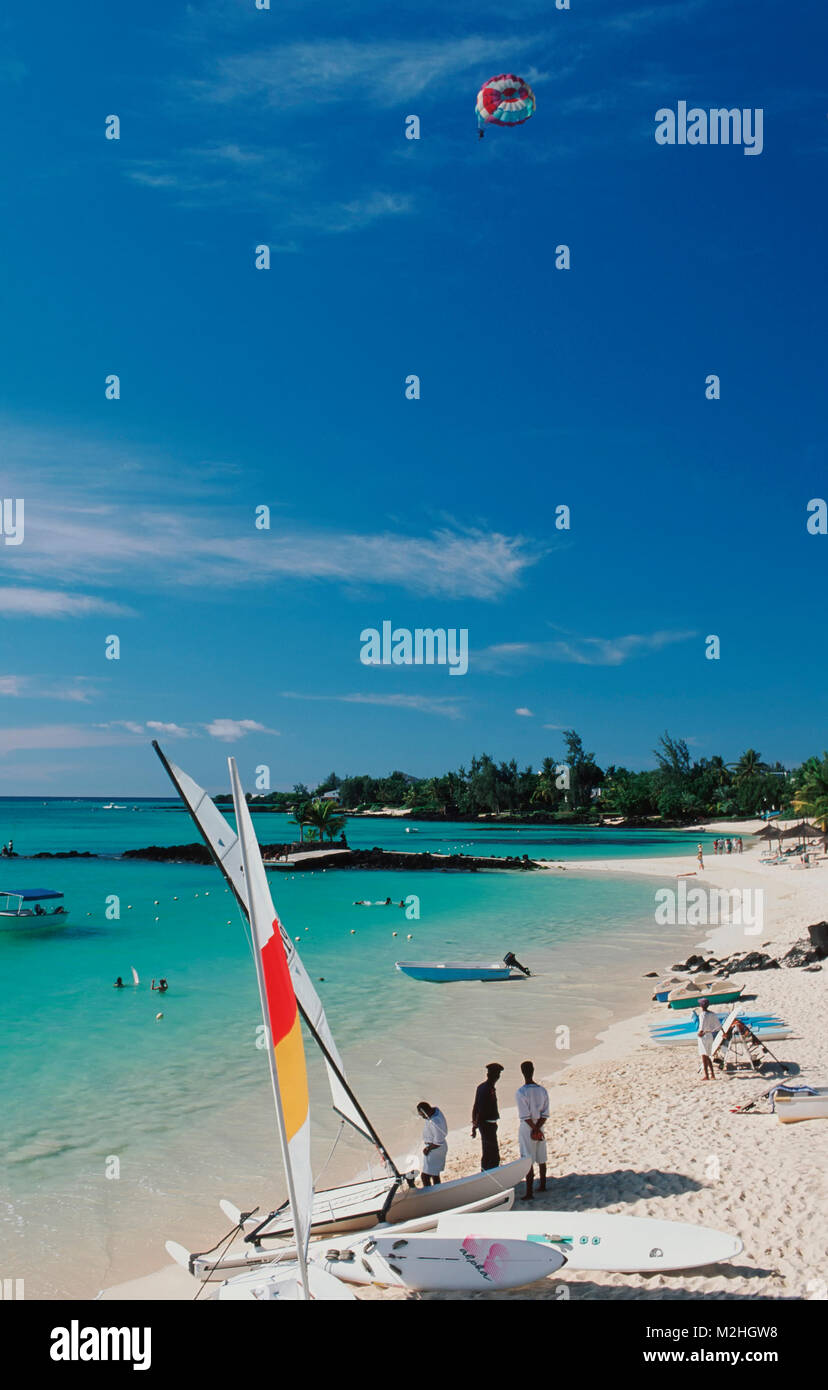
x: 634, y: 1130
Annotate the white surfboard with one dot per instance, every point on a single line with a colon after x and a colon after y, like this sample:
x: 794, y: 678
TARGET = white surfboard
x: 425, y: 1262
x: 594, y: 1240
x: 135, y: 977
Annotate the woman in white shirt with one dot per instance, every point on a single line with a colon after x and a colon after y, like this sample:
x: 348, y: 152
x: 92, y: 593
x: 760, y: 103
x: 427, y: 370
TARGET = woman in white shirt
x: 435, y: 1147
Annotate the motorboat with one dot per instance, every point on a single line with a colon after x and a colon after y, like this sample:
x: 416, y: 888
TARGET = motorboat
x: 441, y: 972
x: 21, y: 909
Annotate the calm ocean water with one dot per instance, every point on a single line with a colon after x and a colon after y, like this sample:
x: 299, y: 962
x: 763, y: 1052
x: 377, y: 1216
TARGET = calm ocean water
x: 89, y: 1076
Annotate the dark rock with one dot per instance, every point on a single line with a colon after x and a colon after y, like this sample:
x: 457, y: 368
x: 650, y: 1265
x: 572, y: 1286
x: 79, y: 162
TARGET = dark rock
x: 65, y: 854
x: 819, y: 937
x: 754, y: 960
x: 651, y: 975
x: 812, y: 967
x: 802, y: 953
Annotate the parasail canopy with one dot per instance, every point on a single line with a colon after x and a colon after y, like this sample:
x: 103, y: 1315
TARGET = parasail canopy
x: 504, y: 100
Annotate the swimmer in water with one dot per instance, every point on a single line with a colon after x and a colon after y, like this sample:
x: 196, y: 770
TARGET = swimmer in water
x: 161, y: 986
x: 119, y: 984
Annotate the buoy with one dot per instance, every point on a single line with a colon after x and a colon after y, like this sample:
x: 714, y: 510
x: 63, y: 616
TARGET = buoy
x: 159, y: 1016
x: 156, y: 919
x: 353, y: 931
x: 155, y: 902
x: 410, y: 936
x: 229, y: 923
x: 129, y: 907
x: 196, y: 894
x: 393, y: 933
x: 322, y: 979
x: 175, y: 897
x: 297, y: 938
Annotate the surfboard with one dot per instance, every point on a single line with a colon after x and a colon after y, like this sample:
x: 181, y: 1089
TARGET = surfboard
x: 135, y: 979
x: 426, y: 1261
x: 594, y: 1240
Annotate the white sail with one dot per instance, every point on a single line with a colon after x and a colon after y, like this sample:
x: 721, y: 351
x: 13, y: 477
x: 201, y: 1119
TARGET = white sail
x: 223, y: 843
x: 280, y: 1012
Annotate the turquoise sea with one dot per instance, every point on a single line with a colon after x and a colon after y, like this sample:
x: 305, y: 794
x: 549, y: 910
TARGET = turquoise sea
x: 120, y: 1129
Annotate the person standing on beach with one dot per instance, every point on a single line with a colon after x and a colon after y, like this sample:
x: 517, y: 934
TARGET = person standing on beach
x: 709, y: 1025
x: 435, y: 1145
x: 533, y: 1112
x: 700, y: 856
x: 485, y: 1116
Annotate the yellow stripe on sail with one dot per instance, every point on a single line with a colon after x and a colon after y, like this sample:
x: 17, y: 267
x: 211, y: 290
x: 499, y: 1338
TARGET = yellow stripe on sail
x: 293, y: 1078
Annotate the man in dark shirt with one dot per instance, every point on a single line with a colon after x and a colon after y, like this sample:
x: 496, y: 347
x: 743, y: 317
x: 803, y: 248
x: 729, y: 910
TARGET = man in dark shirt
x: 485, y: 1116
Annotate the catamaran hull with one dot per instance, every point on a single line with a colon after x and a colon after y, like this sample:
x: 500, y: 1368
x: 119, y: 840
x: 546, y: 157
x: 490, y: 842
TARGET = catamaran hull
x: 362, y: 1206
x: 209, y: 1267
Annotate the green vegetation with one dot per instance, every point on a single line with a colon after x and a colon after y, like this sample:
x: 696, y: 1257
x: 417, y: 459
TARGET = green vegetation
x: 572, y: 787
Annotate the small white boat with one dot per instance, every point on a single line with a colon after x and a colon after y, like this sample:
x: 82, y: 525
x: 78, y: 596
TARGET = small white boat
x: 441, y: 972
x: 689, y: 998
x: 21, y: 909
x: 808, y: 1103
x: 112, y: 807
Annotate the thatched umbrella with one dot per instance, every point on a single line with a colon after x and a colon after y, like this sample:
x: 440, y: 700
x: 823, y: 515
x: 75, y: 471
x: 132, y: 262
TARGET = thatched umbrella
x: 768, y: 832
x: 801, y: 831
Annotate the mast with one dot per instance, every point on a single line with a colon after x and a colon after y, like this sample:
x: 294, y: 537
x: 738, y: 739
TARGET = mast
x: 301, y: 1224
x: 333, y: 1063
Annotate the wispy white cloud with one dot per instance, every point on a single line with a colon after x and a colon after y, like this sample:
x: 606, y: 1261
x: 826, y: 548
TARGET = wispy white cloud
x: 579, y: 651
x: 231, y: 730
x: 107, y: 530
x: 73, y: 688
x: 444, y: 705
x: 46, y: 736
x: 524, y: 712
x: 338, y: 70
x: 54, y: 603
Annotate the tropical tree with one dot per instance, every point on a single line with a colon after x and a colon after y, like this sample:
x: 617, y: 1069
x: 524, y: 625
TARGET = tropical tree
x: 323, y: 817
x: 812, y: 794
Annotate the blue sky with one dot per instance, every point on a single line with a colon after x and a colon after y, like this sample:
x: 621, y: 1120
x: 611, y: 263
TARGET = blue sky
x: 286, y: 387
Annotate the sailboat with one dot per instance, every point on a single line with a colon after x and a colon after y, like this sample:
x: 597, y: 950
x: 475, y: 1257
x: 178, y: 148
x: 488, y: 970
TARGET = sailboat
x: 289, y: 1280
x: 356, y: 1206
x: 413, y: 1262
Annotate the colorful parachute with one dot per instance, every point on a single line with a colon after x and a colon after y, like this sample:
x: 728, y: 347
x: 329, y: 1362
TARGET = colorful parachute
x: 504, y: 100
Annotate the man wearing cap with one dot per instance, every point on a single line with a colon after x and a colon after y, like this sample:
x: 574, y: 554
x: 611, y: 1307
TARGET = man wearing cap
x: 485, y: 1116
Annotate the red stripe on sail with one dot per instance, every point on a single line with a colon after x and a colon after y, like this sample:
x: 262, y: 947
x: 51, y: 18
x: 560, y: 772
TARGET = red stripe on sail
x: 281, y: 1001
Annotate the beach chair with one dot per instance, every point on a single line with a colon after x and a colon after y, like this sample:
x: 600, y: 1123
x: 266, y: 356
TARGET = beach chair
x: 741, y: 1049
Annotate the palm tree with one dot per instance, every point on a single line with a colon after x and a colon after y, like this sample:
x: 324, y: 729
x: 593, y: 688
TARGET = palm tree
x: 812, y: 797
x: 298, y: 818
x: 749, y: 765
x: 323, y: 817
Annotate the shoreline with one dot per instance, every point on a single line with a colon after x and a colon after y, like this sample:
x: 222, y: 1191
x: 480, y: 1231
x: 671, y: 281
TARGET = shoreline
x: 685, y: 1156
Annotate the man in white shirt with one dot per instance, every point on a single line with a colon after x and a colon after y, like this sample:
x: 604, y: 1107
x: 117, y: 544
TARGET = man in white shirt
x: 709, y: 1024
x: 435, y: 1146
x: 533, y: 1112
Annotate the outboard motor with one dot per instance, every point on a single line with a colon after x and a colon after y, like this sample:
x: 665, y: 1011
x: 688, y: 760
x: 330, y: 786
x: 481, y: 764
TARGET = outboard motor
x: 513, y: 963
